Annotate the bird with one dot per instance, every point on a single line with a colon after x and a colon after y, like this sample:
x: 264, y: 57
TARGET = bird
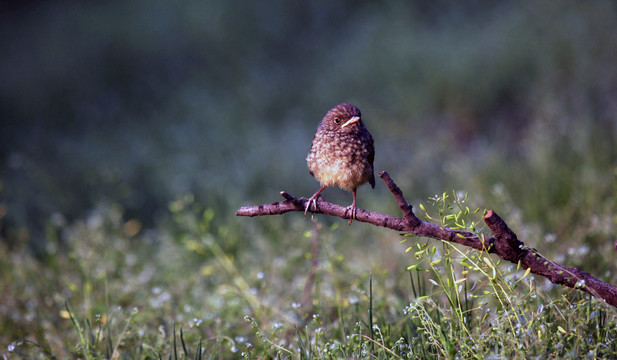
x: 342, y: 154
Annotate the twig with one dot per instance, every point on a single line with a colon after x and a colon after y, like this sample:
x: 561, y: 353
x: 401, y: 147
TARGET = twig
x: 504, y: 242
x: 310, y: 280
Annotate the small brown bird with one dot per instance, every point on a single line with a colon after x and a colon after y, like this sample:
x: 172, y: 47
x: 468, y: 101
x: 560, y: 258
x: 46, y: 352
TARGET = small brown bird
x: 342, y: 154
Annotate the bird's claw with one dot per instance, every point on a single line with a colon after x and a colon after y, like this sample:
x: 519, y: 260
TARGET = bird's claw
x: 313, y: 201
x: 351, y: 208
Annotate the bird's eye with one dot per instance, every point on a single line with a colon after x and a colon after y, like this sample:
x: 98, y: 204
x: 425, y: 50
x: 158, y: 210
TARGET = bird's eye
x: 337, y: 120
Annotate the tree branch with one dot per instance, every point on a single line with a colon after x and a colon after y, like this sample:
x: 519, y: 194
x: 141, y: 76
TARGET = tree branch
x: 504, y: 242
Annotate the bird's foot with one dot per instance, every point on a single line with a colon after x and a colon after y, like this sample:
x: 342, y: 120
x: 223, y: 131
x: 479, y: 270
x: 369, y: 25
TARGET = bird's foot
x: 311, y: 200
x: 351, y: 208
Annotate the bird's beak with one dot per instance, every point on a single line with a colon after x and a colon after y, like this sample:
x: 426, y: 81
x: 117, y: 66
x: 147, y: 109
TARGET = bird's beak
x: 354, y: 119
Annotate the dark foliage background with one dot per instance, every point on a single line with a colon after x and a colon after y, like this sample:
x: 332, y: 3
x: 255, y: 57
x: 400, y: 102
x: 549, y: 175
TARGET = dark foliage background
x: 137, y: 103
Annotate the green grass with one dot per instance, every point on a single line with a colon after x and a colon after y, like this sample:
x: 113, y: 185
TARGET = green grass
x: 194, y: 293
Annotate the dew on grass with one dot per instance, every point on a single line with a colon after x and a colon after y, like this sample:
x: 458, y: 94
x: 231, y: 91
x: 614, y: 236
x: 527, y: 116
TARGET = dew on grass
x: 550, y: 237
x: 583, y: 250
x: 95, y: 220
x: 145, y: 275
x: 580, y: 284
x: 195, y: 322
x: 130, y: 259
x: 499, y: 189
x: 160, y: 300
x: 240, y: 339
x: 364, y: 351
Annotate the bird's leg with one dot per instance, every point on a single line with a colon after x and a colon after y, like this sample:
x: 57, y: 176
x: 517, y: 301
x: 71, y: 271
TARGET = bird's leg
x: 352, y: 207
x: 313, y: 199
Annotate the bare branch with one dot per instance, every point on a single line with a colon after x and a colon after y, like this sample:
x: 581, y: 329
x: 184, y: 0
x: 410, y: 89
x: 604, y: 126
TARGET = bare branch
x: 504, y: 242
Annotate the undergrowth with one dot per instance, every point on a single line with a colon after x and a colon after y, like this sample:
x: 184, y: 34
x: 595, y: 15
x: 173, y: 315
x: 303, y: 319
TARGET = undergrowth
x: 185, y: 296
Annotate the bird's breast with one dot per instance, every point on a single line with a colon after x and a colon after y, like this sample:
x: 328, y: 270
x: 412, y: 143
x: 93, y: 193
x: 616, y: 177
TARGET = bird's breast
x: 340, y: 159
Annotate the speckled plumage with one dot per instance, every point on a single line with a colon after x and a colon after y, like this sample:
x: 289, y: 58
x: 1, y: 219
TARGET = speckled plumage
x: 342, y: 152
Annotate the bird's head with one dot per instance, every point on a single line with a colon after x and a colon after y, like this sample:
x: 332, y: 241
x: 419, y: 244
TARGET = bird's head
x: 343, y: 118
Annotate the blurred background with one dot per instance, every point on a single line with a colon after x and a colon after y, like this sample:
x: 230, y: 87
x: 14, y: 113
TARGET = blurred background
x: 137, y: 106
x: 136, y: 103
